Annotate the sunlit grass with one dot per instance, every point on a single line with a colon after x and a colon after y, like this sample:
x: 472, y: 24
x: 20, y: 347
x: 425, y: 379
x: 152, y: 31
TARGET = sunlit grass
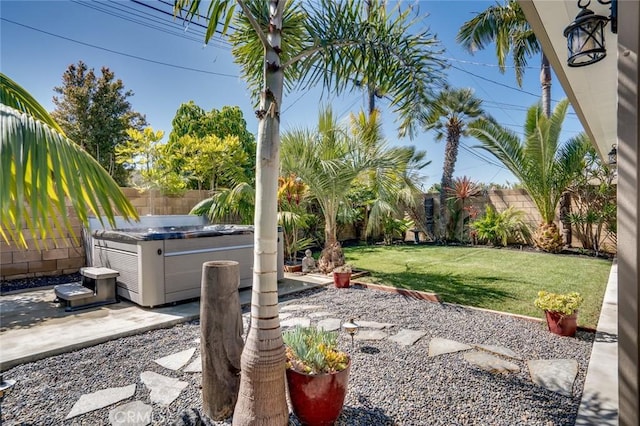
x: 499, y: 279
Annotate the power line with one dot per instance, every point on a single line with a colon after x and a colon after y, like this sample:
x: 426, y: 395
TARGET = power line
x: 121, y: 53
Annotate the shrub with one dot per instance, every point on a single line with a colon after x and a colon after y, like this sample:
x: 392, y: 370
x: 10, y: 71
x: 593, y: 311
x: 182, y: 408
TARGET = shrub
x: 498, y: 228
x: 565, y: 304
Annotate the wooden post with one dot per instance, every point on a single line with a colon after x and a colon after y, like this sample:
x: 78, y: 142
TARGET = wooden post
x: 220, y: 338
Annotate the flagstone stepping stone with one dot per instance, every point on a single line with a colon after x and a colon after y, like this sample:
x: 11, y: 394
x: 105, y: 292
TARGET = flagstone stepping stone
x: 500, y: 350
x: 289, y: 308
x: 439, y: 346
x: 176, y: 361
x: 406, y: 337
x: 100, y: 399
x: 319, y: 314
x: 373, y: 324
x: 330, y: 324
x: 557, y: 375
x: 491, y: 363
x: 370, y: 335
x: 135, y: 413
x: 195, y: 366
x: 284, y: 315
x: 196, y: 340
x: 164, y: 390
x: 292, y: 322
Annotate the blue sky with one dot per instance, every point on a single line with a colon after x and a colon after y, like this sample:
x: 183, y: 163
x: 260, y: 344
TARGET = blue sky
x: 165, y: 64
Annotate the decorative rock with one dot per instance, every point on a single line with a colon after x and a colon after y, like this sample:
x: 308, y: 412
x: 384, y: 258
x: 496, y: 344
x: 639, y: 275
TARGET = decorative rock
x: 500, y: 350
x: 100, y: 399
x: 292, y: 322
x: 135, y: 413
x: 194, y: 367
x: 439, y: 346
x: 289, y: 308
x: 557, y: 375
x: 330, y: 324
x: 373, y: 324
x: 189, y: 417
x: 491, y: 363
x: 176, y: 361
x: 406, y: 337
x: 317, y: 314
x: 164, y: 390
x: 370, y: 335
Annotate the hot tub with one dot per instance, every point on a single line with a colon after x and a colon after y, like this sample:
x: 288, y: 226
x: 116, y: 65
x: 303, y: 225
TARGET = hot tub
x: 160, y: 258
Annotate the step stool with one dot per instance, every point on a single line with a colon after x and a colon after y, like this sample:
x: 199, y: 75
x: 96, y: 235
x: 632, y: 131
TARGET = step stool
x: 97, y: 288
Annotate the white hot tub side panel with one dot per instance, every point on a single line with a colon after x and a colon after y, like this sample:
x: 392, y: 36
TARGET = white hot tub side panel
x: 184, y: 259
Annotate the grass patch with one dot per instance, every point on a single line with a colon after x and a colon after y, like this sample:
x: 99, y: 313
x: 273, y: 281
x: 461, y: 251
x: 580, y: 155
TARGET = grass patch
x: 499, y: 279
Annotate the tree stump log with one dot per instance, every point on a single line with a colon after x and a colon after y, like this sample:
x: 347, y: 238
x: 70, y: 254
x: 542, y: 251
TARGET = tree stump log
x: 220, y: 338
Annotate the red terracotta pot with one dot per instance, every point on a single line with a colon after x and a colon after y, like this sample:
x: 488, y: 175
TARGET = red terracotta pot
x: 317, y: 399
x: 564, y: 325
x: 342, y: 279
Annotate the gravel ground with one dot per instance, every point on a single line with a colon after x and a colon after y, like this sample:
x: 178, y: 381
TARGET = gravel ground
x: 388, y: 384
x: 32, y: 283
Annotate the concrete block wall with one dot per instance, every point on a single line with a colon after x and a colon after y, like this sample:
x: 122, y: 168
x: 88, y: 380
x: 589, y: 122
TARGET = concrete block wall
x: 60, y: 254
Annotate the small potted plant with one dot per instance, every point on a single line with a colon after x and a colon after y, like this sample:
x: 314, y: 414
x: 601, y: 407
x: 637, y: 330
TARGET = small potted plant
x: 317, y: 375
x: 342, y: 276
x: 561, y: 311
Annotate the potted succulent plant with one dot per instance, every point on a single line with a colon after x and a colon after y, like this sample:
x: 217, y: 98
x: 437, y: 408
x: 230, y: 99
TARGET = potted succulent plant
x: 342, y: 276
x: 561, y: 311
x: 317, y: 375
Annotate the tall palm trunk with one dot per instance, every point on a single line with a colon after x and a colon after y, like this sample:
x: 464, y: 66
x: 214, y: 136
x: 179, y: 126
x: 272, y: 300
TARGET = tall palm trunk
x: 450, y: 157
x: 545, y: 82
x: 261, y: 398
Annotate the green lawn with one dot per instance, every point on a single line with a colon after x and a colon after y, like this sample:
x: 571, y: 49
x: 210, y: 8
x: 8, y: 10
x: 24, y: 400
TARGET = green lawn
x: 498, y: 279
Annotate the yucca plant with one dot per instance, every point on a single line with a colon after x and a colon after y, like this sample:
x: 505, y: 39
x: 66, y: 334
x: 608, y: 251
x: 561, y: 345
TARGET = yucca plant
x: 313, y: 350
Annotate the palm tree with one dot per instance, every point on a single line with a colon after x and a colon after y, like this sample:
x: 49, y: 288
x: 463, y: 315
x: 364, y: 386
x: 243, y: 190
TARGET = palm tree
x: 280, y: 44
x: 449, y: 116
x: 506, y: 25
x: 544, y: 166
x: 393, y: 189
x: 41, y: 168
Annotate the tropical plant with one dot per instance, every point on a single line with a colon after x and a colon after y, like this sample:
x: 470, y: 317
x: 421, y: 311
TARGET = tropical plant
x: 449, y: 115
x: 233, y: 205
x: 505, y: 25
x: 565, y: 304
x: 41, y: 168
x: 543, y: 165
x: 293, y: 216
x: 284, y: 44
x: 95, y: 113
x: 463, y: 189
x: 313, y: 350
x: 499, y: 228
x: 594, y: 207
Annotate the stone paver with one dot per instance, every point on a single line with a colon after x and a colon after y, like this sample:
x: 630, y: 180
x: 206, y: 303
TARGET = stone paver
x: 164, y: 390
x: 406, y: 337
x: 285, y: 315
x: 195, y: 366
x: 292, y: 322
x: 500, y: 350
x: 491, y: 363
x: 330, y: 324
x: 370, y: 335
x: 135, y: 413
x: 439, y: 346
x: 100, y: 399
x: 290, y: 308
x: 176, y: 361
x: 373, y: 324
x: 557, y: 375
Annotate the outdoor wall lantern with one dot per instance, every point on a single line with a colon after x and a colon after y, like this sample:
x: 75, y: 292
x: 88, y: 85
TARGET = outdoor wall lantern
x: 613, y: 156
x: 585, y: 35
